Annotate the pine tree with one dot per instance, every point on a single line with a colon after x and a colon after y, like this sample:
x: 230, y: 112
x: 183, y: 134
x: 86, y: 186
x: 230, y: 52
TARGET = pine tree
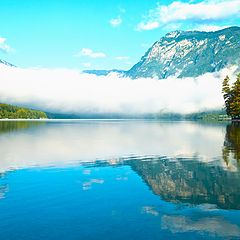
x: 231, y: 97
x: 227, y: 94
x: 235, y: 106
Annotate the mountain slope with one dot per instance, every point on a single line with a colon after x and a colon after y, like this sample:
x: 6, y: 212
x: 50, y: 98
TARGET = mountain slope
x: 189, y: 54
x: 6, y: 63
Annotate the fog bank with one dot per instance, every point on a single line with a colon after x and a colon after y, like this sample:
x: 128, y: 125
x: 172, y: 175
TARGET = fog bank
x: 69, y: 91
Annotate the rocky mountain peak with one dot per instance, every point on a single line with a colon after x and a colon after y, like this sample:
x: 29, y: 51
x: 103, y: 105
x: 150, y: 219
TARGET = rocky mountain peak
x: 189, y: 54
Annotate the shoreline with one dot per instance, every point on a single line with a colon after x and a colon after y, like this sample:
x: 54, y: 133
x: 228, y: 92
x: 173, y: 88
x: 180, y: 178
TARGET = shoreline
x: 80, y: 119
x: 115, y: 120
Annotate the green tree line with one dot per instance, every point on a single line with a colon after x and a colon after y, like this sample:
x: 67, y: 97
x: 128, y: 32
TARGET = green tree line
x: 14, y: 112
x: 231, y: 95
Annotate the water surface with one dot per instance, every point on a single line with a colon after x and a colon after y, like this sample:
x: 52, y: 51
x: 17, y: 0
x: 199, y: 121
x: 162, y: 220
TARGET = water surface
x: 119, y: 180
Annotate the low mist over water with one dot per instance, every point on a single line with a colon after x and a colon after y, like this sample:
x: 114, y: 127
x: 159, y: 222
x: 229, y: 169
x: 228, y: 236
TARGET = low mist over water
x: 68, y: 91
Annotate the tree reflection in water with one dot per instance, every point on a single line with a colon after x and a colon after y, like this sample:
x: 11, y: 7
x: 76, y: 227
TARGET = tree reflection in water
x: 231, y: 148
x: 13, y: 126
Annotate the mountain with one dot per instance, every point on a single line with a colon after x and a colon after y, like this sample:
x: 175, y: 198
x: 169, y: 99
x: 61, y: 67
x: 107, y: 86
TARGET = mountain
x: 189, y: 54
x: 103, y: 72
x: 6, y: 63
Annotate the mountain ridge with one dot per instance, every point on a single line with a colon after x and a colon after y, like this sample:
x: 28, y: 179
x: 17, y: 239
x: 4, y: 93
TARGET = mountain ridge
x: 6, y: 63
x: 189, y: 54
x: 102, y: 72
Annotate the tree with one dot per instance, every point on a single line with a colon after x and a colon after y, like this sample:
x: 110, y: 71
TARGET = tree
x: 231, y: 95
x: 227, y: 94
x: 232, y: 143
x: 235, y: 105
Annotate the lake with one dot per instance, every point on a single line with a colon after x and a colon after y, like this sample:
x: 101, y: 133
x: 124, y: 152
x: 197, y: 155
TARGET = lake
x: 112, y: 179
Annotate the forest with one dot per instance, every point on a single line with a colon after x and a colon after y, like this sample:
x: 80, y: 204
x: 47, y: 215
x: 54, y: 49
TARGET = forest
x: 231, y: 95
x: 13, y: 112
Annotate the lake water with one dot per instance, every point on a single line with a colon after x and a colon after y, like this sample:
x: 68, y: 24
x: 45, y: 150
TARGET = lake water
x: 119, y: 180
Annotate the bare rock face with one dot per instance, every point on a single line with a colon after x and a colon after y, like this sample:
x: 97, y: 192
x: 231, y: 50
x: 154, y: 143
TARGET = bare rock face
x: 189, y: 54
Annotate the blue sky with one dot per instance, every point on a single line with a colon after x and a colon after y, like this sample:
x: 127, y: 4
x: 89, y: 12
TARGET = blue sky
x: 99, y: 34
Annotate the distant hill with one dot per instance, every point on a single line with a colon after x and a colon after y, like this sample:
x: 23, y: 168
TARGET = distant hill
x: 189, y: 54
x: 104, y: 72
x: 12, y: 112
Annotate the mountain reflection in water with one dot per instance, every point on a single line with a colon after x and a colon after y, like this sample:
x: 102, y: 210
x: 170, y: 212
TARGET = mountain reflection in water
x: 195, y: 181
x: 190, y: 181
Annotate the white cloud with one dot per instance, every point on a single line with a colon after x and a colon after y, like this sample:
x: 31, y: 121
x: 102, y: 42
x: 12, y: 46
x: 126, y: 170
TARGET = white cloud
x: 208, y: 10
x: 122, y: 58
x: 214, y: 225
x: 68, y: 91
x: 148, y: 26
x: 115, y: 22
x: 87, y: 52
x: 4, y: 47
x: 204, y: 10
x: 209, y: 28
